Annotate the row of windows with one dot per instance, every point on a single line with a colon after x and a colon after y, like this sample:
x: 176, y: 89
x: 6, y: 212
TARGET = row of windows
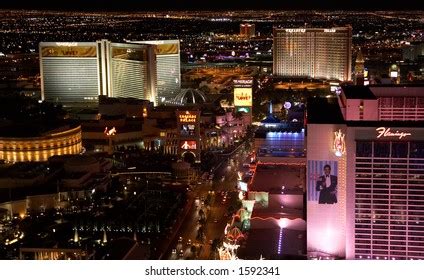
x: 389, y: 199
x: 390, y: 149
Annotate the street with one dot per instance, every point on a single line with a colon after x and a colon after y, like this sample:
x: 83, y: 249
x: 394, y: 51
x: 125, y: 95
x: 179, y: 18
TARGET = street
x: 221, y: 190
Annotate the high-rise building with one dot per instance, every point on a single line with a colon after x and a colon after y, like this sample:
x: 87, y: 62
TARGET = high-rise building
x: 247, y: 30
x: 70, y: 72
x: 313, y: 52
x: 413, y: 51
x: 132, y: 71
x: 168, y: 68
x: 370, y: 141
x: 75, y: 74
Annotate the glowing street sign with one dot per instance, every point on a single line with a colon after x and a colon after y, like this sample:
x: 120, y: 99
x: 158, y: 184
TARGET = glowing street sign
x: 339, y: 145
x: 384, y: 132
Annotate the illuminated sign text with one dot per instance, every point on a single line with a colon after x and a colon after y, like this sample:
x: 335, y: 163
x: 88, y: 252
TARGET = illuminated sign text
x: 386, y: 132
x: 292, y: 30
x: 187, y: 117
x: 243, y: 97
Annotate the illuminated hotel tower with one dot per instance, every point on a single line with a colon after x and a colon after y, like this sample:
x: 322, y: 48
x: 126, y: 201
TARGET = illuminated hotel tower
x: 75, y: 74
x: 247, y: 30
x: 168, y: 68
x: 70, y: 72
x: 132, y: 71
x: 313, y: 52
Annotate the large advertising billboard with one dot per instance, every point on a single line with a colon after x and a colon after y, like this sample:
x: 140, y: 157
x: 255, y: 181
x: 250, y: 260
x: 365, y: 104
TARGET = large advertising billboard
x: 243, y: 97
x: 188, y: 145
x: 187, y: 116
x: 322, y: 181
x: 69, y: 51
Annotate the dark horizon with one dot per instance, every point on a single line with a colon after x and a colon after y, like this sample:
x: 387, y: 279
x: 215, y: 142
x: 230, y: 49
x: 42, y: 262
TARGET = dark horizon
x: 218, y: 5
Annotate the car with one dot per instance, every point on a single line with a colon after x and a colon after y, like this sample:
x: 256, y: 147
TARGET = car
x: 215, y: 221
x: 189, y: 242
x: 174, y: 251
x: 180, y: 239
x: 210, y: 241
x: 181, y: 254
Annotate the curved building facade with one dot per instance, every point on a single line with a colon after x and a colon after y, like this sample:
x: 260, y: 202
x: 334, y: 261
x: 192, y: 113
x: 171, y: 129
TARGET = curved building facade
x: 40, y: 148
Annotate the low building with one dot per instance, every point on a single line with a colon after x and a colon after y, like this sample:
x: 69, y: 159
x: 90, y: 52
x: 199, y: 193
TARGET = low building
x: 36, y: 143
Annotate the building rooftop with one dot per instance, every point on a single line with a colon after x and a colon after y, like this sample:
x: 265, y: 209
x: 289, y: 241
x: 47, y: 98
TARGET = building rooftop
x: 265, y: 242
x: 32, y: 129
x: 271, y: 119
x: 276, y: 178
x: 24, y: 170
x: 358, y: 92
x: 324, y: 111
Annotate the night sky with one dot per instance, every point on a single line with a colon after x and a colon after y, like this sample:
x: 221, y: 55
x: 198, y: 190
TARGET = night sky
x: 142, y: 5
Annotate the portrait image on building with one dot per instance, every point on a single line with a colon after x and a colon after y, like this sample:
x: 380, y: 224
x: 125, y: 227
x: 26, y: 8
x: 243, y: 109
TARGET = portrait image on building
x: 322, y: 181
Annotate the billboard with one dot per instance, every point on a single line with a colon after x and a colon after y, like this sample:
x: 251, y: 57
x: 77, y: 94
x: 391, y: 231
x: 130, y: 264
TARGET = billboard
x: 242, y: 185
x: 69, y: 51
x: 188, y: 145
x: 243, y: 97
x: 322, y: 181
x: 187, y: 116
x: 188, y: 129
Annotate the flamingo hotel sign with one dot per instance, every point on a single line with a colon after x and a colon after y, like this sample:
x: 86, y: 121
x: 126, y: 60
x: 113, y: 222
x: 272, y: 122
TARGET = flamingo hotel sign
x: 386, y: 132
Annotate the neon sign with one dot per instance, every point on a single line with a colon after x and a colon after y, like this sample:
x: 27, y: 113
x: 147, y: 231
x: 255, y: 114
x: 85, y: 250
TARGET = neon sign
x: 339, y: 144
x: 386, y: 132
x: 188, y: 145
x: 243, y: 97
x: 291, y: 30
x: 187, y: 117
x: 110, y: 132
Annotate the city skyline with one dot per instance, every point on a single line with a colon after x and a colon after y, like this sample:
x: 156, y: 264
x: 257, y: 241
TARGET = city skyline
x: 210, y: 134
x: 162, y: 5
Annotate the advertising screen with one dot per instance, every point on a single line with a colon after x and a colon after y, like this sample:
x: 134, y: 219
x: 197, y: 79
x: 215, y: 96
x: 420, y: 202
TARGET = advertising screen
x: 188, y: 145
x: 188, y: 129
x: 242, y: 186
x: 393, y: 74
x: 322, y: 181
x: 243, y: 97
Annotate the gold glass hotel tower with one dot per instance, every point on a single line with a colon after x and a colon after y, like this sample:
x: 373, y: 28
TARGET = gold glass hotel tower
x: 323, y: 53
x: 76, y: 73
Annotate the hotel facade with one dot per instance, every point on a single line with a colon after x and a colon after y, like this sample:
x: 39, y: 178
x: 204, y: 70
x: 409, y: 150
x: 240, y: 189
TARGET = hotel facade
x: 373, y: 143
x: 75, y: 73
x: 323, y: 53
